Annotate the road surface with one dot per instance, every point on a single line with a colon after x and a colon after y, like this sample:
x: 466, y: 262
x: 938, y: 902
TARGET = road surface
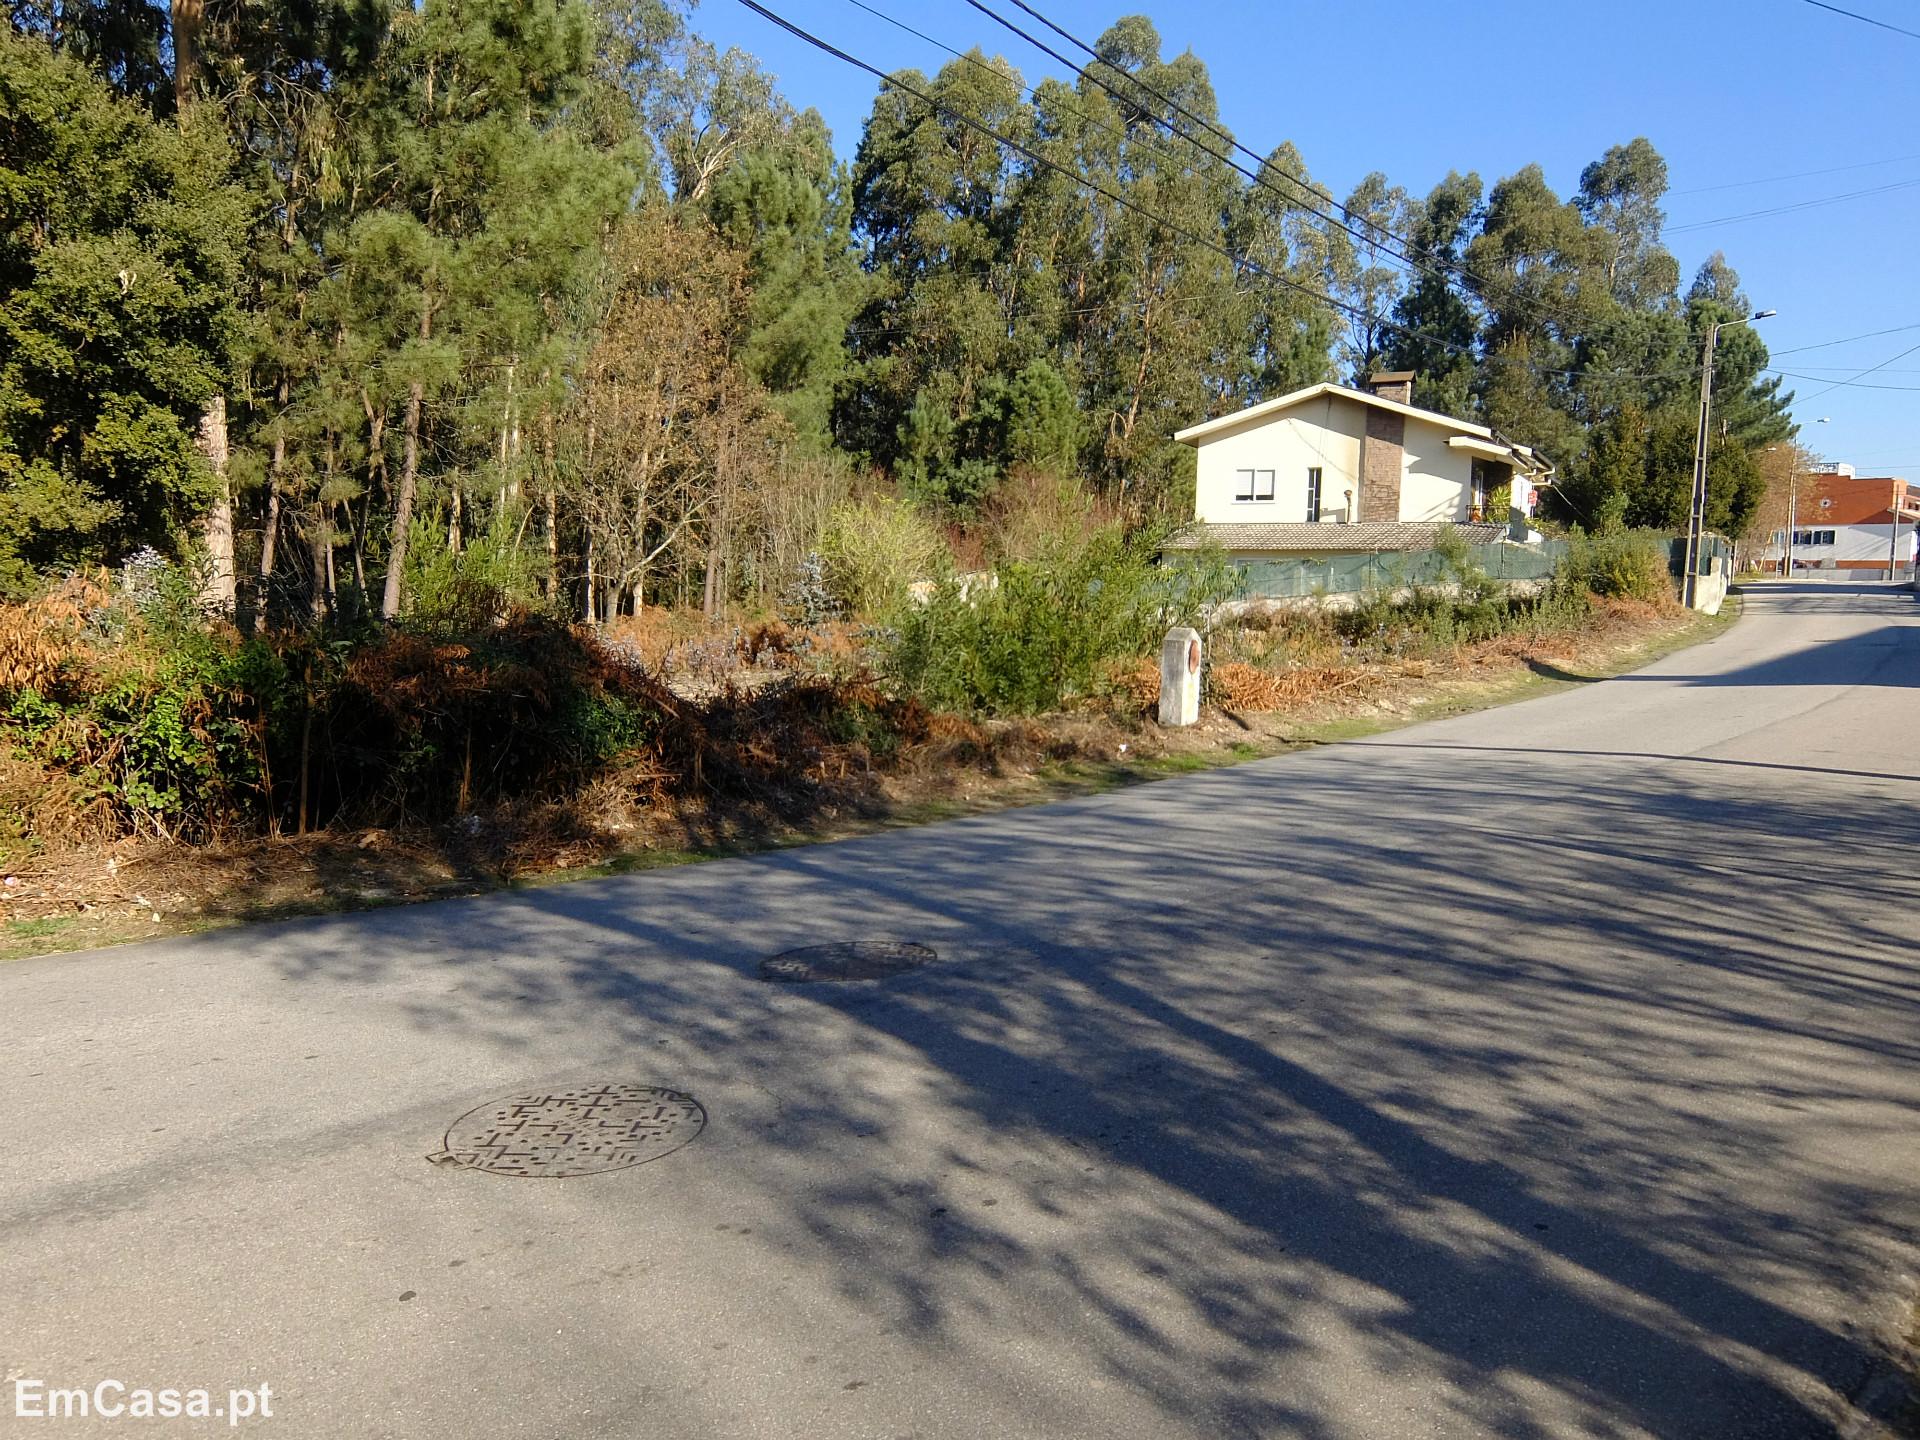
x: 1550, y: 1071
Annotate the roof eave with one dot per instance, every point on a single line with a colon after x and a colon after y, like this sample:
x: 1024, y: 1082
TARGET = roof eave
x: 1193, y: 434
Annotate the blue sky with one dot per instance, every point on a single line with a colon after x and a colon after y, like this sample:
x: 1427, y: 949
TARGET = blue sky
x: 1727, y: 92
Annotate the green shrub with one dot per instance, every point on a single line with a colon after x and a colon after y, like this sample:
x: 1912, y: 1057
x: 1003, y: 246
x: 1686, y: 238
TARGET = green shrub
x: 456, y: 590
x: 873, y: 552
x: 160, y: 716
x: 1631, y: 564
x: 1043, y: 629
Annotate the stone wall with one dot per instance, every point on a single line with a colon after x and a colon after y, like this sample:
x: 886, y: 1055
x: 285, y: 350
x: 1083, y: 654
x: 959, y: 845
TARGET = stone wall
x: 1382, y: 460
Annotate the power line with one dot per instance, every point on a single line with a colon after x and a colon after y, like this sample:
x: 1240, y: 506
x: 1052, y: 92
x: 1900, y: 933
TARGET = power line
x: 1535, y: 304
x: 1837, y: 384
x: 1846, y: 340
x: 895, y: 82
x: 1374, y: 235
x: 1788, y: 209
x: 1238, y: 261
x: 1796, y: 175
x: 1864, y: 19
x: 1854, y: 379
x: 1120, y: 131
x: 1836, y: 369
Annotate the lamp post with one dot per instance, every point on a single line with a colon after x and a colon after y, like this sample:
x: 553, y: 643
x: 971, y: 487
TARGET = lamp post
x: 1793, y: 496
x: 1697, y: 510
x: 1786, y: 535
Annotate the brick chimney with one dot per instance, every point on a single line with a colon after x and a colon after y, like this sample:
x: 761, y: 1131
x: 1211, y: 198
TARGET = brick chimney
x: 1392, y: 385
x: 1383, y: 450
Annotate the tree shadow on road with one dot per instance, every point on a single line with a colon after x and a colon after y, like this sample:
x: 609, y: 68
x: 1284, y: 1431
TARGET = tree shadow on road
x: 1275, y: 1095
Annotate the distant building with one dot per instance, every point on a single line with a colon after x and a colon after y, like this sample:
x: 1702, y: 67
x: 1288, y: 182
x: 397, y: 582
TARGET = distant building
x: 1330, y: 469
x: 1848, y: 525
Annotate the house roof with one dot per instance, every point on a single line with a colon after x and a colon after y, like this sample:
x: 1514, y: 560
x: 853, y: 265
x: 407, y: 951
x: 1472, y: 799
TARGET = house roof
x: 1377, y: 535
x: 1206, y: 430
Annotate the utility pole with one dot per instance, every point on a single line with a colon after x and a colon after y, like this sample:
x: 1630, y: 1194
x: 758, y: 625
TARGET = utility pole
x: 1697, y: 510
x: 1786, y: 567
x: 1893, y: 541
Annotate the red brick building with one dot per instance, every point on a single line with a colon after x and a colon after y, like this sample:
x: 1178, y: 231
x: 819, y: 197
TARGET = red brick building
x: 1851, y: 523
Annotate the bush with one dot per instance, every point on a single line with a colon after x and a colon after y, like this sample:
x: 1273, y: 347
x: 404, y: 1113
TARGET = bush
x: 1629, y: 564
x: 150, y: 716
x: 874, y: 551
x: 158, y: 720
x: 1047, y: 628
x: 456, y: 590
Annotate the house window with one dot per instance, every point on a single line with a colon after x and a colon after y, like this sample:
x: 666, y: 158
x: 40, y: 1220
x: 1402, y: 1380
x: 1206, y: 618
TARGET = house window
x: 1253, y: 484
x: 1813, y: 537
x: 1313, y: 493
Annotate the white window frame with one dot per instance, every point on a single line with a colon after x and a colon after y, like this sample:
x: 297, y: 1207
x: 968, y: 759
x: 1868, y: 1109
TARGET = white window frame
x: 1315, y: 482
x: 1253, y: 487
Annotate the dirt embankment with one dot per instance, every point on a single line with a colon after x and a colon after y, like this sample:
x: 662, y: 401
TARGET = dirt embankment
x: 847, y: 759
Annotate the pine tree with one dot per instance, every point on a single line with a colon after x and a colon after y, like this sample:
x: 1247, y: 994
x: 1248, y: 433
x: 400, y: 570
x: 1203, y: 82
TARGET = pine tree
x: 119, y: 250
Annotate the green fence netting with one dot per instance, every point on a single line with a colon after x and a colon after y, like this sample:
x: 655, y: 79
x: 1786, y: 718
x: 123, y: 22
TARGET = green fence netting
x: 1390, y: 569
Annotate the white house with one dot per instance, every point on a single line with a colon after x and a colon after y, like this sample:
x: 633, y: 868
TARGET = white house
x: 1331, y: 468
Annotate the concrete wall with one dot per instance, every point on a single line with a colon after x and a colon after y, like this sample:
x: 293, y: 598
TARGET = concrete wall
x: 1435, y: 484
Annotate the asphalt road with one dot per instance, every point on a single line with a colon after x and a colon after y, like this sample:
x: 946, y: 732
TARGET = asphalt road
x: 1545, y: 1072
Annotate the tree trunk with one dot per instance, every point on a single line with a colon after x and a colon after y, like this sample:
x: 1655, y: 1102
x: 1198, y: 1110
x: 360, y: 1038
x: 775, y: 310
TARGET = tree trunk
x: 591, y: 616
x: 320, y: 544
x: 551, y: 503
x: 216, y: 529
x: 409, y: 479
x: 270, y: 532
x: 357, y: 532
x: 188, y: 18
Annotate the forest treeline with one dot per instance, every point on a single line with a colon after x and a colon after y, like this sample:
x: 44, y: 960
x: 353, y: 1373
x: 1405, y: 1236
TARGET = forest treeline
x: 346, y: 298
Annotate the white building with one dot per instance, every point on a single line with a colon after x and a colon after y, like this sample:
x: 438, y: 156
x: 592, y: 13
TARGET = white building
x: 1330, y: 468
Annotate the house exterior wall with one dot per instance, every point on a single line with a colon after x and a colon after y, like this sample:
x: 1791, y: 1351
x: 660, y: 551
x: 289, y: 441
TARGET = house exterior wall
x: 1855, y: 547
x: 1436, y: 480
x: 1439, y: 479
x: 1324, y: 432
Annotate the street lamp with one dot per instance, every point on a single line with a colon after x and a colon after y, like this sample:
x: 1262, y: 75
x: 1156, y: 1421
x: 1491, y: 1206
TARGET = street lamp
x: 1697, y: 511
x: 1793, y: 478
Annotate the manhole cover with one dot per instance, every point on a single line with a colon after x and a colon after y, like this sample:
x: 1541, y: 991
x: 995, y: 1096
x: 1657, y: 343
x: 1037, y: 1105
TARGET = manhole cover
x: 848, y: 960
x: 557, y: 1133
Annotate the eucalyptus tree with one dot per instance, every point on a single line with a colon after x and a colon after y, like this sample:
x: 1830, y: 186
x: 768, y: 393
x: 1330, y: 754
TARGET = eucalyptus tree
x: 1437, y: 325
x: 1367, y: 272
x: 1283, y: 224
x: 930, y: 190
x: 1619, y: 198
x: 1166, y: 299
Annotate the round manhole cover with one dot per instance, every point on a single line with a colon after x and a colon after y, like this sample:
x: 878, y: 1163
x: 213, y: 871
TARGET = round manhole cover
x: 848, y: 960
x: 584, y: 1131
